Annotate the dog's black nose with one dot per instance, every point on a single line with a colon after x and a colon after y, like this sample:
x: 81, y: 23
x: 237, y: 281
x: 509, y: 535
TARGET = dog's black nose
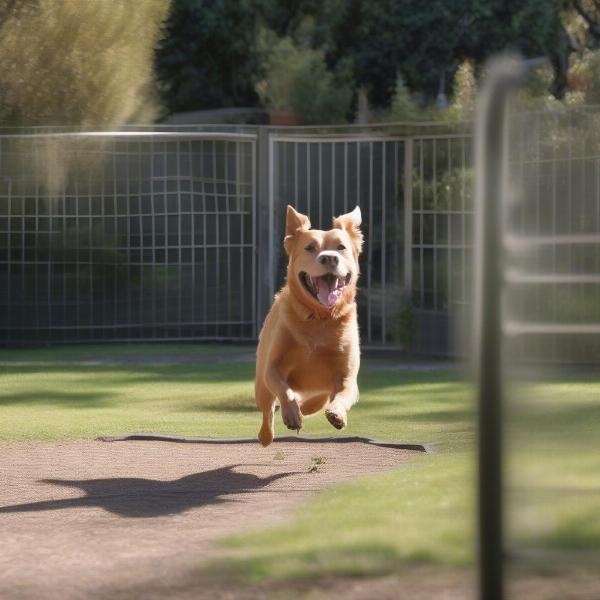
x: 329, y: 260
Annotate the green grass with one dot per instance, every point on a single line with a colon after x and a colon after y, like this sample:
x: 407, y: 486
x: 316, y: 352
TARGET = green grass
x: 55, y: 393
x: 74, y: 392
x: 422, y: 512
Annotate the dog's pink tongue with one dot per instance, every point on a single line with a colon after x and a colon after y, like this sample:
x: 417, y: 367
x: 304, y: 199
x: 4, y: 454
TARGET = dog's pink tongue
x: 326, y: 295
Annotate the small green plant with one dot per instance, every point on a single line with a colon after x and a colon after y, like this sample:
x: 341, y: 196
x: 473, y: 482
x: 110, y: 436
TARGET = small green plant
x: 405, y: 326
x: 464, y: 89
x: 403, y: 107
x: 317, y: 461
x: 279, y: 456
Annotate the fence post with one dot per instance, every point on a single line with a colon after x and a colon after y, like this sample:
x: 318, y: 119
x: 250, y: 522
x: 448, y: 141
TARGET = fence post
x: 408, y: 218
x: 490, y: 196
x: 264, y: 227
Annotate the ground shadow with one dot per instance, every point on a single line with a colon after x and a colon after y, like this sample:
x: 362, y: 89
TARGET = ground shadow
x: 62, y: 398
x: 136, y: 497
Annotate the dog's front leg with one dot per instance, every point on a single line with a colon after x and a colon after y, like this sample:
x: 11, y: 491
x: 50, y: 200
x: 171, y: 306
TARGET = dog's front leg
x: 344, y: 399
x: 290, y: 406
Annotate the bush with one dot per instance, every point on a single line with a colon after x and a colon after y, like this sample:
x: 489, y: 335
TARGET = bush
x: 297, y: 80
x: 464, y: 89
x: 403, y: 107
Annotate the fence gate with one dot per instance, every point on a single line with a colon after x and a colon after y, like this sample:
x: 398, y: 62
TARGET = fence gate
x: 147, y: 235
x: 415, y: 197
x: 326, y: 176
x: 440, y: 239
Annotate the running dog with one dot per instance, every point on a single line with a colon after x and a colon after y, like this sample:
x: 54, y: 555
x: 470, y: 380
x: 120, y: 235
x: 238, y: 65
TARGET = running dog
x: 308, y: 351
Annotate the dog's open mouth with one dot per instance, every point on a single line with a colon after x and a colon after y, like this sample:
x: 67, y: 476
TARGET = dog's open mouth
x: 327, y: 289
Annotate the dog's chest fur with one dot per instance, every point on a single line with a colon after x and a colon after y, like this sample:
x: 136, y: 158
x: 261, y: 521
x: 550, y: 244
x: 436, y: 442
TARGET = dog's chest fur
x: 317, y: 355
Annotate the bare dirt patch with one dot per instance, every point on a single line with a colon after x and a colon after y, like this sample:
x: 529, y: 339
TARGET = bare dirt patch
x: 79, y: 518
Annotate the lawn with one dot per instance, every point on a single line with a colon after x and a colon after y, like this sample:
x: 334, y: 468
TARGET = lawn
x: 421, y: 513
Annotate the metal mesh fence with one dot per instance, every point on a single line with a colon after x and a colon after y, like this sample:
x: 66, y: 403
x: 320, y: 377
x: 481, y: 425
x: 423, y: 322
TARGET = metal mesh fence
x: 327, y: 176
x: 442, y: 238
x: 415, y: 193
x: 156, y: 234
x: 554, y: 236
x: 129, y: 236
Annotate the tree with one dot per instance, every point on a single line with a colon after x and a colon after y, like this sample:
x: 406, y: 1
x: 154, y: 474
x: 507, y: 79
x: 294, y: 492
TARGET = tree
x: 579, y: 36
x: 209, y: 56
x: 212, y: 57
x: 426, y: 41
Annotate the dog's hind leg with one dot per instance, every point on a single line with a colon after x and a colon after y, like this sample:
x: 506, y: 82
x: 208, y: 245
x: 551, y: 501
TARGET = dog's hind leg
x: 265, y: 401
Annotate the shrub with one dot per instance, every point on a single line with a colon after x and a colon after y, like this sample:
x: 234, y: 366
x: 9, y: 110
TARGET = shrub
x: 297, y: 79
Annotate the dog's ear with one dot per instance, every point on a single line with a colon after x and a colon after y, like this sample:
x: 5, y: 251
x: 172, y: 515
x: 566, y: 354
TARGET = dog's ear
x: 294, y: 222
x: 350, y: 222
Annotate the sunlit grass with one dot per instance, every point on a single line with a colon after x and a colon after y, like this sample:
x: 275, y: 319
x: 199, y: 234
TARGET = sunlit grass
x: 421, y: 513
x: 55, y: 393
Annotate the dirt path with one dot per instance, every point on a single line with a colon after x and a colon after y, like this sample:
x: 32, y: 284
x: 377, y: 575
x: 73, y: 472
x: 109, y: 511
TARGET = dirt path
x: 80, y: 518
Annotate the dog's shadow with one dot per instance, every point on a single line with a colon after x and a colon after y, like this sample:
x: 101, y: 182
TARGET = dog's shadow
x: 136, y: 497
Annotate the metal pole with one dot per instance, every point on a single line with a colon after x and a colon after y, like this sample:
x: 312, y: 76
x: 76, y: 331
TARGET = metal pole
x: 490, y: 193
x: 265, y: 223
x: 408, y: 218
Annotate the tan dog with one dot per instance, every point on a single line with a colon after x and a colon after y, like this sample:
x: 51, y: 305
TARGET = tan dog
x: 308, y: 351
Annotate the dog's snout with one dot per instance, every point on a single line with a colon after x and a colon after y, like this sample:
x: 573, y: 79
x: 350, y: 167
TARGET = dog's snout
x: 329, y: 260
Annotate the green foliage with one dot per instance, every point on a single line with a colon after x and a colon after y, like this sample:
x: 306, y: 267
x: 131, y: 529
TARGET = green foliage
x: 464, y: 90
x: 423, y: 40
x: 209, y: 57
x: 447, y: 190
x: 213, y: 53
x: 586, y: 75
x: 403, y: 107
x: 404, y: 327
x: 88, y: 64
x: 297, y: 79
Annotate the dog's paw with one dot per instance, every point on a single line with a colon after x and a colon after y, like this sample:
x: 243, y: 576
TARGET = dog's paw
x: 265, y: 436
x: 291, y: 414
x: 337, y: 416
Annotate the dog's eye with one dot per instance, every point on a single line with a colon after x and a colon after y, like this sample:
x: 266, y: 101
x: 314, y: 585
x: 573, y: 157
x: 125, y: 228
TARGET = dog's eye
x: 341, y: 247
x: 310, y: 248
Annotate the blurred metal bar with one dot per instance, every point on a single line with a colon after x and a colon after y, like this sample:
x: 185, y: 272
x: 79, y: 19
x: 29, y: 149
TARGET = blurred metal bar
x: 408, y: 218
x: 512, y: 328
x: 522, y: 242
x: 490, y: 194
x: 253, y: 220
x: 173, y: 135
x: 519, y: 277
x: 383, y: 244
x: 370, y: 243
x: 421, y: 230
x: 264, y: 217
